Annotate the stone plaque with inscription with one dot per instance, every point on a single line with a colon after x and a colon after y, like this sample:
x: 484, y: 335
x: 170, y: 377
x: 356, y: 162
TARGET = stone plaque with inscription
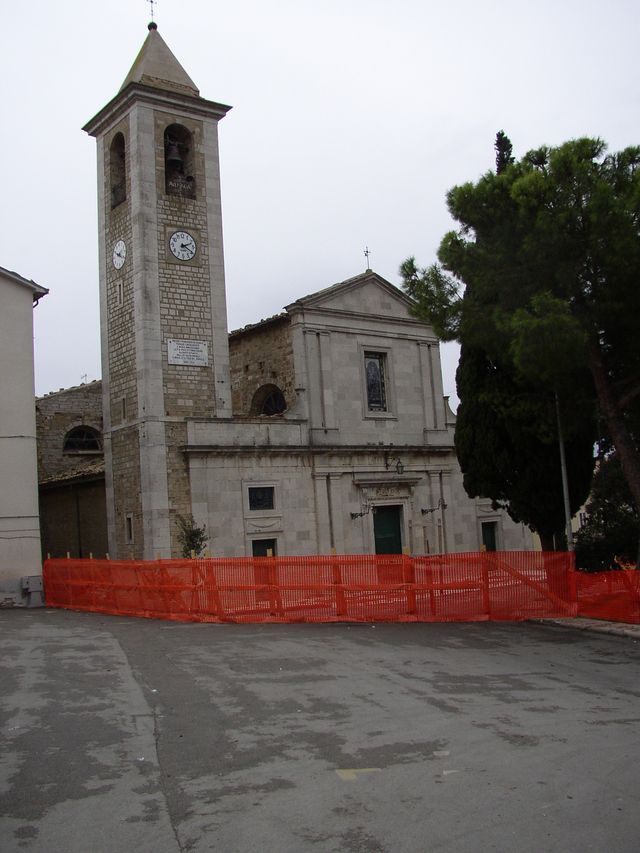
x: 188, y: 353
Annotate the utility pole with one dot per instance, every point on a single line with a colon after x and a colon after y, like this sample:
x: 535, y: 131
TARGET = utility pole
x: 565, y: 479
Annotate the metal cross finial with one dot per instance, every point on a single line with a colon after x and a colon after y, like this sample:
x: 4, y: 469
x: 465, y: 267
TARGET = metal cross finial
x: 152, y: 3
x: 366, y: 254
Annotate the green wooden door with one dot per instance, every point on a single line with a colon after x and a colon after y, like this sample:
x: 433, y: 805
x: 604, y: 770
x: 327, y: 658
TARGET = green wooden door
x: 489, y: 537
x: 387, y: 529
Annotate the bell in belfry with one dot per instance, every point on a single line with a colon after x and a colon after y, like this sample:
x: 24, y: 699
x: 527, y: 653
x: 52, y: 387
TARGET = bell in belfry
x: 173, y: 157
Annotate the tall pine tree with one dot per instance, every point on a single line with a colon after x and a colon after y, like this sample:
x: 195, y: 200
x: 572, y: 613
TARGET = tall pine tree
x: 509, y: 372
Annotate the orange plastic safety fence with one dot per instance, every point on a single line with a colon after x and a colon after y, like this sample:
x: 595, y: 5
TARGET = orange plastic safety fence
x: 609, y: 595
x: 358, y: 588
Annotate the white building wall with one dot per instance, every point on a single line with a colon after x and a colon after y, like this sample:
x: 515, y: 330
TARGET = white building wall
x: 318, y: 494
x: 19, y: 521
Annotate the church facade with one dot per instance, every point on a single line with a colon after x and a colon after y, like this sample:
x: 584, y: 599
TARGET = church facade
x: 324, y: 427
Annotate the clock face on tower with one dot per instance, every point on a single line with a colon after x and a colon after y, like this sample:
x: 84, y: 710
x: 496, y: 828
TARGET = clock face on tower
x: 119, y: 254
x: 182, y: 245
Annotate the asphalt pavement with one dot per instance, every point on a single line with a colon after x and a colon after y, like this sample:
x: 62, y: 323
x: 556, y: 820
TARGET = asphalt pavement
x: 124, y: 734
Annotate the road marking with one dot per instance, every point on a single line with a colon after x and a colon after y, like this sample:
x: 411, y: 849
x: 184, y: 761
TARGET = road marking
x: 449, y: 772
x: 352, y: 775
x: 441, y: 753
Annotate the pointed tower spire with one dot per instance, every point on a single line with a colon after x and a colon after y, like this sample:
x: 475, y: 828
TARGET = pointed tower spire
x: 156, y: 66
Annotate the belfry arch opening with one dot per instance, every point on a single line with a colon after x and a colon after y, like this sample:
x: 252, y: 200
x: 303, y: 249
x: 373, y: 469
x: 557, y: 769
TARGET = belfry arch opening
x: 117, y: 170
x: 268, y: 400
x: 178, y: 162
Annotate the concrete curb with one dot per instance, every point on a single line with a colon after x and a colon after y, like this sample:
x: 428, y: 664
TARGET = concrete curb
x: 618, y: 629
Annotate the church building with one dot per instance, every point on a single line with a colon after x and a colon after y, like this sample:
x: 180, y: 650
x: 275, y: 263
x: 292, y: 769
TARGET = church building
x: 324, y: 427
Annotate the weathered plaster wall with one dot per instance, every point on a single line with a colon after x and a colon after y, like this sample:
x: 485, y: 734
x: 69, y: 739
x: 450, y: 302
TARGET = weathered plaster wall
x: 19, y: 522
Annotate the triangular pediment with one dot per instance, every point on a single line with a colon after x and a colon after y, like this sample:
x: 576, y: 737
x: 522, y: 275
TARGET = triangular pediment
x: 367, y: 293
x: 156, y: 66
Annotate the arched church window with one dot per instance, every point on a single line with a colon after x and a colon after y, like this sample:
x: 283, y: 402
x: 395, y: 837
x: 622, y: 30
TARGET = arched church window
x: 178, y: 162
x: 268, y: 400
x: 82, y: 439
x: 118, y: 172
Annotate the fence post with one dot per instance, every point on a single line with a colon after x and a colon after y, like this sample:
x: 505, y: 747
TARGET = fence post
x: 341, y: 604
x: 572, y: 577
x: 194, y: 586
x: 275, y: 599
x: 409, y: 573
x: 486, y: 597
x: 429, y: 576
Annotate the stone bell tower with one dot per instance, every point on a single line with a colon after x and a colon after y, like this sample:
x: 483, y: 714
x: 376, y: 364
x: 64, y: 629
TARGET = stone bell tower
x: 165, y: 355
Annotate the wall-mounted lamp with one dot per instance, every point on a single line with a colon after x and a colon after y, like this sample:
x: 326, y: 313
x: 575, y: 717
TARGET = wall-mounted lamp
x: 355, y: 515
x: 367, y: 507
x: 398, y: 466
x: 440, y: 505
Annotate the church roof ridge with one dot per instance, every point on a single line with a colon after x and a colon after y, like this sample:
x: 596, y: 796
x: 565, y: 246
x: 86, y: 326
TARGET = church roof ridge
x: 66, y: 390
x: 368, y: 275
x: 156, y: 66
x: 266, y: 321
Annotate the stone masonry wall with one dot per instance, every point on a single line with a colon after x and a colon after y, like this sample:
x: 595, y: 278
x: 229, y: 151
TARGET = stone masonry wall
x: 123, y: 386
x: 261, y: 355
x: 122, y: 352
x: 56, y: 414
x: 185, y: 299
x: 126, y: 491
x: 185, y: 312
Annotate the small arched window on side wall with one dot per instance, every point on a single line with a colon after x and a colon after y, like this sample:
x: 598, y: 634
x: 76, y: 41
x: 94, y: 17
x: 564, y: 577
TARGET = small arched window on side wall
x: 178, y: 162
x: 268, y: 400
x: 117, y: 170
x: 82, y: 439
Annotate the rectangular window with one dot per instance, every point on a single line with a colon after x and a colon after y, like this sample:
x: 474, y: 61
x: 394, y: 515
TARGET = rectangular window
x: 261, y: 497
x: 264, y: 547
x: 120, y: 295
x: 128, y: 528
x: 375, y: 370
x: 123, y: 409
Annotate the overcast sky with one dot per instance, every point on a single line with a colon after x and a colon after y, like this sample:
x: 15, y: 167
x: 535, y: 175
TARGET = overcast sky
x: 351, y: 119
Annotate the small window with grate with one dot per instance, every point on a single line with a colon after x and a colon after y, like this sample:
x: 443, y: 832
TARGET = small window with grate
x: 264, y: 547
x: 128, y: 528
x: 261, y: 497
